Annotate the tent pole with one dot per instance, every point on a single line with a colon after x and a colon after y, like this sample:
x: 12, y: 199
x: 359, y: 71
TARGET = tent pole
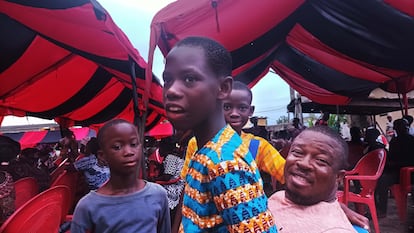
x: 405, y: 99
x: 141, y: 127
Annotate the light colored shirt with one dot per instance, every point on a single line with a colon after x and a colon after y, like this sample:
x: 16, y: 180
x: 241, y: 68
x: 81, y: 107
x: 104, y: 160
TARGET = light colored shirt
x: 223, y: 190
x: 326, y: 217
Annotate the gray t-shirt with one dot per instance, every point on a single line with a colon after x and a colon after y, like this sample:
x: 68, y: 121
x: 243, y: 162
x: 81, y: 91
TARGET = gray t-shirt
x: 145, y: 211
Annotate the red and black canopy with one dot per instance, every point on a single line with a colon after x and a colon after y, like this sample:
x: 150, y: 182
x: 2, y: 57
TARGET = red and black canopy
x: 68, y: 61
x: 329, y: 51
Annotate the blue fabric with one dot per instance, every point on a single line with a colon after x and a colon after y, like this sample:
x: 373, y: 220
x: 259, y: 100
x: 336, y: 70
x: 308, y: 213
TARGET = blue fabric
x: 360, y: 229
x: 253, y: 146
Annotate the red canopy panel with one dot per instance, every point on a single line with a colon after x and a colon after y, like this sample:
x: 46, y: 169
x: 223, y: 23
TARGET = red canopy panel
x: 33, y: 138
x: 68, y: 61
x: 329, y: 51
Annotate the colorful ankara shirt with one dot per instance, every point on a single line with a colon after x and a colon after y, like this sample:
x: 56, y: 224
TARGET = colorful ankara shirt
x: 268, y: 159
x: 223, y: 191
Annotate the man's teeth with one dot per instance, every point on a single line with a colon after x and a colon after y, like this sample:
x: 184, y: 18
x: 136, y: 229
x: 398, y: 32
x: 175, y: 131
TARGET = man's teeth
x: 175, y: 109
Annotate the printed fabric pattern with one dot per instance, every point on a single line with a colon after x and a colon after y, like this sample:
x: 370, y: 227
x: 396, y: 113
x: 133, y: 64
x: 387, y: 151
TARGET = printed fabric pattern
x: 223, y: 191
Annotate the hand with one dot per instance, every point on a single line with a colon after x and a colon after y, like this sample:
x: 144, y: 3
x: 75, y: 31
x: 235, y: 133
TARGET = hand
x: 355, y: 218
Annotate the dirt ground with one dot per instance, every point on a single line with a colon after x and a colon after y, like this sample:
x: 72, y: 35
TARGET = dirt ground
x: 392, y: 223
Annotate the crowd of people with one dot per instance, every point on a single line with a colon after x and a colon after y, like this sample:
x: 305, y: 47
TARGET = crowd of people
x: 211, y: 176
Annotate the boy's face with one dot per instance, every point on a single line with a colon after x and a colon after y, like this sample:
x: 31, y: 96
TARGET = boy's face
x: 311, y: 169
x: 191, y: 89
x: 237, y: 109
x: 121, y: 149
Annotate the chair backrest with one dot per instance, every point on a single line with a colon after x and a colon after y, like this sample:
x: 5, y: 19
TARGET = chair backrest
x: 68, y: 179
x: 372, y: 165
x: 26, y: 188
x: 42, y: 213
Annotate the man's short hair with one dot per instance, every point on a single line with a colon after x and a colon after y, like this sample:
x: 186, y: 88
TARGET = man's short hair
x: 343, y: 146
x: 217, y: 56
x: 237, y: 85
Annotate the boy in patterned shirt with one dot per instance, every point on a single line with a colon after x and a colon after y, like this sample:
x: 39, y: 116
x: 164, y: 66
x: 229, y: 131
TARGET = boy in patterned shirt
x: 237, y: 110
x: 224, y: 191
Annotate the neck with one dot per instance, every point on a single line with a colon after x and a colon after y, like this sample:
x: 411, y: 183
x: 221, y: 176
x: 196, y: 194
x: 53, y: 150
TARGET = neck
x: 119, y: 184
x: 207, y: 129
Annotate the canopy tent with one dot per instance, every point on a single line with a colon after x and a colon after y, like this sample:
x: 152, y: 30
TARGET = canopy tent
x: 329, y: 51
x: 68, y: 61
x: 32, y: 138
x: 161, y: 130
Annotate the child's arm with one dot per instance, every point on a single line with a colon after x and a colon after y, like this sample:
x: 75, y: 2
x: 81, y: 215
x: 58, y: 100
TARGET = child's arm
x: 269, y: 160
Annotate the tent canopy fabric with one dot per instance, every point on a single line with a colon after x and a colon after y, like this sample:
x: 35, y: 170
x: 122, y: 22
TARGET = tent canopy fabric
x: 32, y: 138
x: 68, y: 61
x: 329, y: 51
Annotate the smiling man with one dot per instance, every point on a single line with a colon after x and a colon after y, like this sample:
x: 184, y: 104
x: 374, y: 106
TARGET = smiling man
x: 314, y: 165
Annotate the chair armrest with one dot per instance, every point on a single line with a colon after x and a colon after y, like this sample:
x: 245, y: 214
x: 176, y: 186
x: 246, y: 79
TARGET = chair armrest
x: 358, y: 177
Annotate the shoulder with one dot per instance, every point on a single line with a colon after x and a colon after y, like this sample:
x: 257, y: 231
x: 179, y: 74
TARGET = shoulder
x: 155, y: 188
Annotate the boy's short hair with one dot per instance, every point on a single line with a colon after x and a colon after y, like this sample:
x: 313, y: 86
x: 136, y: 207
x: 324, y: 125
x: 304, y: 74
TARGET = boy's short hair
x: 217, y: 56
x: 108, y: 124
x: 237, y: 85
x: 343, y: 146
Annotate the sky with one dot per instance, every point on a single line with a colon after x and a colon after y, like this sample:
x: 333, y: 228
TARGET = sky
x: 270, y: 94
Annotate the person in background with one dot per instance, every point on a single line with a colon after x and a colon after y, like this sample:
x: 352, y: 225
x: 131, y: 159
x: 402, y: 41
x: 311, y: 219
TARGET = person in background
x: 9, y: 149
x: 400, y: 155
x: 324, y: 119
x: 69, y: 146
x: 26, y: 165
x: 96, y: 173
x: 410, y: 120
x: 170, y: 178
x: 316, y: 163
x: 297, y: 128
x: 389, y: 130
x: 125, y: 203
x: 46, y: 158
x: 223, y: 188
x: 373, y: 140
x: 356, y: 147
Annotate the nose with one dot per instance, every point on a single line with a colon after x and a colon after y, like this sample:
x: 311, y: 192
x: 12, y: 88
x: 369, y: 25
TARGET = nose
x: 304, y: 162
x: 172, y: 91
x: 129, y: 150
x: 234, y: 113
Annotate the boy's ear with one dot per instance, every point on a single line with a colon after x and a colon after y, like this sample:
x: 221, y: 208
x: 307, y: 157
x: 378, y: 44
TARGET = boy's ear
x: 251, y: 110
x: 225, y: 87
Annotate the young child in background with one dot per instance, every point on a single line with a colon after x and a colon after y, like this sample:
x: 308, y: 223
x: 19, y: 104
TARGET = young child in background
x: 237, y: 110
x: 125, y: 203
x: 223, y: 190
x: 96, y: 173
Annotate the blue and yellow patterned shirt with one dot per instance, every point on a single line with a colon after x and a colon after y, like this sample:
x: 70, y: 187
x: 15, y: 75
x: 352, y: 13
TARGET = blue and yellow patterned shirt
x: 224, y: 191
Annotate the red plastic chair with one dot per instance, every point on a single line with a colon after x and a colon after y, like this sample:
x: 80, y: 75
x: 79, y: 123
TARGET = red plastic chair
x: 367, y: 171
x: 42, y: 213
x: 68, y: 179
x: 401, y: 190
x: 26, y: 188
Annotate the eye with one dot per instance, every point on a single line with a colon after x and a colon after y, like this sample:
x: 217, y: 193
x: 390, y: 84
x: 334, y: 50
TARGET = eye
x: 189, y: 79
x: 226, y: 107
x: 323, y: 162
x: 243, y: 108
x: 116, y: 147
x: 134, y: 144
